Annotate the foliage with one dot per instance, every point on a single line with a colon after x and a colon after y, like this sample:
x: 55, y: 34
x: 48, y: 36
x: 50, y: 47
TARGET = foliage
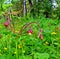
x: 24, y: 46
x: 20, y: 44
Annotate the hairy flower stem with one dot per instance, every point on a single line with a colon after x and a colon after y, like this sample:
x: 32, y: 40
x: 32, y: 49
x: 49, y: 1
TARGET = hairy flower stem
x: 27, y: 25
x: 10, y: 21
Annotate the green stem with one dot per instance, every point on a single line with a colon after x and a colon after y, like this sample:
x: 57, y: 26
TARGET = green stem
x: 16, y: 51
x: 1, y: 6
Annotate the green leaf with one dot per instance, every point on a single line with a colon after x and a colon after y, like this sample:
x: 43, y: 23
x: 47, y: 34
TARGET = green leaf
x: 41, y: 55
x: 3, y: 57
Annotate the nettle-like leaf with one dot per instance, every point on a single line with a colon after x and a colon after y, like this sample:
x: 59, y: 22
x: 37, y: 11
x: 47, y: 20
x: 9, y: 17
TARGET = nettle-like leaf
x: 41, y: 55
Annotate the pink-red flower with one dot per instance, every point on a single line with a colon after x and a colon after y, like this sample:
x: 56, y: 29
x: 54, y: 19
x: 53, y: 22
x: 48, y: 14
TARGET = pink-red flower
x: 30, y: 31
x: 41, y: 36
x: 6, y: 24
